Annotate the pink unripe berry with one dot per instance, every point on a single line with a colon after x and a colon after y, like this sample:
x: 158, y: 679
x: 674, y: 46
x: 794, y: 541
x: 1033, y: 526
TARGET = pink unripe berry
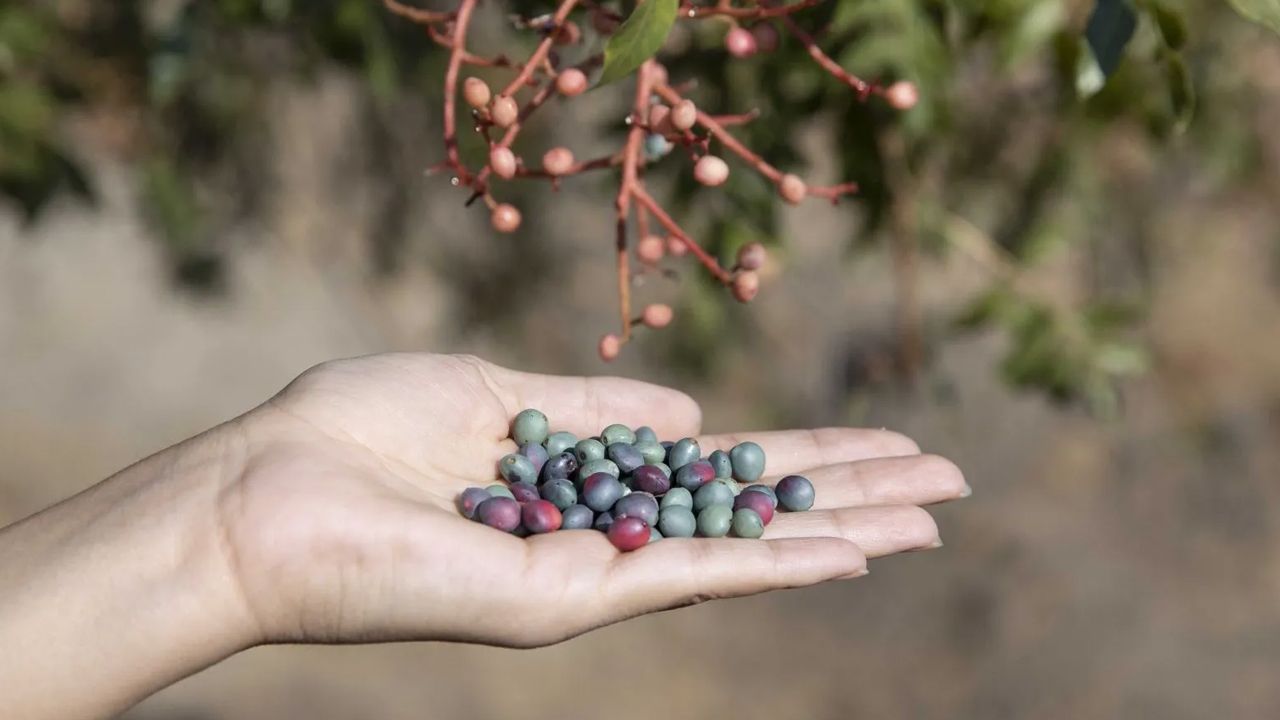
x: 660, y: 118
x: 610, y: 346
x: 752, y: 256
x: 650, y: 249
x: 745, y: 285
x: 792, y: 189
x: 568, y: 34
x: 902, y: 95
x: 711, y: 171
x: 558, y: 161
x: 476, y: 92
x: 740, y: 43
x: 503, y: 162
x: 676, y: 247
x: 571, y: 82
x: 684, y: 115
x: 657, y: 315
x: 766, y: 36
x: 504, y: 111
x: 505, y: 218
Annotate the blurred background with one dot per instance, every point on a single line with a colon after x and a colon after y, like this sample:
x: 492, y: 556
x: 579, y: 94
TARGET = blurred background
x: 1066, y: 280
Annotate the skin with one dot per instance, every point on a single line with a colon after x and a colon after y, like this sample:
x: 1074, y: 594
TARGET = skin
x: 327, y: 515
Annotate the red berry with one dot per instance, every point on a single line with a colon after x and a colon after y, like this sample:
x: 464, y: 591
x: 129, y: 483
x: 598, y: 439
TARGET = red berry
x: 558, y: 161
x: 476, y: 92
x: 660, y: 119
x: 766, y: 36
x: 752, y: 256
x: 711, y: 171
x: 762, y: 505
x: 657, y: 315
x: 792, y: 189
x: 676, y: 247
x: 503, y: 162
x: 540, y: 516
x: 571, y: 82
x: 740, y: 43
x: 504, y: 111
x: 650, y: 249
x: 505, y: 218
x: 902, y: 95
x: 684, y: 115
x: 745, y: 285
x: 610, y: 346
x: 568, y: 34
x: 629, y: 533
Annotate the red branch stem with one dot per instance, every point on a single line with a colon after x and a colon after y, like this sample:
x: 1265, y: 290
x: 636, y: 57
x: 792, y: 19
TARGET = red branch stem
x: 417, y: 15
x: 831, y: 66
x: 752, y: 13
x: 544, y: 47
x: 665, y: 221
x: 451, y: 88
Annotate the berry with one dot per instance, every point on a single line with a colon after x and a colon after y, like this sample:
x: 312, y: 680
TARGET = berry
x: 476, y: 92
x: 684, y: 115
x: 763, y: 490
x: 540, y: 516
x: 499, y: 490
x: 645, y: 434
x: 602, y: 521
x: 746, y: 285
x: 654, y: 535
x: 656, y: 147
x: 617, y: 433
x: 748, y: 461
x: 714, y: 521
x: 677, y: 521
x: 568, y: 34
x: 677, y: 497
x: 517, y: 468
x: 504, y: 111
x: 695, y: 475
x: 558, y: 161
x: 601, y: 490
x: 676, y: 247
x: 766, y: 36
x: 657, y: 315
x: 625, y: 456
x: 752, y: 256
x: 576, y: 517
x: 795, y: 493
x: 747, y: 524
x: 610, y: 346
x: 470, y: 499
x: 559, y: 467
x: 712, y: 493
x: 607, y: 467
x: 652, y: 452
x: 571, y: 82
x: 683, y: 453
x: 603, y: 22
x: 503, y: 162
x: 720, y: 462
x: 536, y: 453
x: 629, y: 533
x: 499, y: 512
x: 660, y: 119
x: 740, y: 43
x: 792, y: 189
x: 902, y: 95
x: 505, y: 218
x: 588, y: 450
x: 562, y: 494
x: 529, y: 426
x: 651, y: 479
x: 637, y: 504
x: 711, y: 171
x: 558, y: 442
x: 650, y: 249
x: 524, y: 492
x: 756, y: 501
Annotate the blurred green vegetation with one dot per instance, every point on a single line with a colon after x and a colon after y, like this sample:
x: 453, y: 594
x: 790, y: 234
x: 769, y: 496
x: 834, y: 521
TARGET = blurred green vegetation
x: 1056, y: 78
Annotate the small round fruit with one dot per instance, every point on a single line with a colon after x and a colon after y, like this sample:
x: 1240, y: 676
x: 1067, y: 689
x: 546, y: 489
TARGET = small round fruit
x: 660, y: 119
x: 561, y: 493
x: 752, y: 256
x: 618, y: 433
x: 571, y: 82
x: 757, y: 501
x: 499, y: 512
x: 559, y: 467
x: 682, y: 453
x: 644, y: 433
x: 517, y: 468
x: 568, y: 34
x: 536, y: 453
x: 625, y: 456
x: 650, y: 479
x: 795, y: 493
x: 656, y: 147
x: 576, y: 517
x: 524, y: 492
x: 629, y: 533
x: 470, y: 499
x: 505, y: 218
x: 720, y: 462
x: 558, y: 442
x: 714, y: 521
x: 746, y: 285
x: 610, y: 346
x: 740, y: 43
x: 601, y: 490
x: 711, y: 171
x: 652, y: 452
x: 766, y: 36
x: 657, y: 315
x: 677, y: 497
x: 713, y: 493
x: 502, y: 161
x: 792, y: 189
x: 589, y: 449
x: 529, y: 426
x: 650, y: 249
x: 764, y: 490
x: 602, y: 521
x: 608, y: 467
x: 637, y: 504
x: 676, y: 247
x: 734, y: 485
x: 902, y: 95
x: 540, y: 516
x: 684, y: 115
x: 695, y: 475
x: 747, y: 524
x: 677, y: 521
x: 476, y: 92
x: 504, y: 111
x: 558, y: 160
x: 666, y: 469
x: 654, y: 535
x: 499, y: 490
x: 748, y: 461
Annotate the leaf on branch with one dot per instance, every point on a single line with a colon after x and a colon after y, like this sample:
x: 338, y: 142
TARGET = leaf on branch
x: 1110, y: 27
x: 639, y: 38
x: 1263, y: 12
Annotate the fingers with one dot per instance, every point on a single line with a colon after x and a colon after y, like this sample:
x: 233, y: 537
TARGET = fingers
x: 913, y: 480
x: 584, y: 406
x: 793, y: 451
x: 879, y: 531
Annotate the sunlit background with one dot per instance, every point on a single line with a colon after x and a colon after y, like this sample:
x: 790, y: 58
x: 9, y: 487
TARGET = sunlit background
x: 1072, y: 292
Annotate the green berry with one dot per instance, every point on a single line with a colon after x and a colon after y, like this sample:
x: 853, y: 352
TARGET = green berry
x: 652, y: 452
x: 677, y: 521
x: 713, y: 493
x: 747, y: 523
x: 588, y: 450
x: 683, y: 453
x: 677, y: 497
x: 529, y: 426
x: 500, y: 491
x: 748, y: 461
x: 558, y: 442
x: 714, y: 521
x: 618, y: 434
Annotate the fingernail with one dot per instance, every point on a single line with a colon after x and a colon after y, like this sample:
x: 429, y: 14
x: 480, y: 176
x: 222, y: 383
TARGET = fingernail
x: 966, y: 492
x: 934, y: 545
x: 855, y: 574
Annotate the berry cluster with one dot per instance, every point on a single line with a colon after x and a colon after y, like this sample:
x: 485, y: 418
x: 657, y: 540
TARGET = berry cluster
x: 630, y: 486
x: 660, y: 120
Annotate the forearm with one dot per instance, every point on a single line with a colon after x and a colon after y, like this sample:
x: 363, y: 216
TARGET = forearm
x: 122, y: 589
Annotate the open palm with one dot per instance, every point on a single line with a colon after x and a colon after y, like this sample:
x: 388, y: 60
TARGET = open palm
x: 342, y: 524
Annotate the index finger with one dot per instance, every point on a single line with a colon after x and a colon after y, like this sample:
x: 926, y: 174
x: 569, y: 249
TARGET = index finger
x: 793, y: 451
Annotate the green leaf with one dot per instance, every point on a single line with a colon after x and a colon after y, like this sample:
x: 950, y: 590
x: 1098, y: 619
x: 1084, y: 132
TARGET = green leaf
x: 1182, y: 93
x: 639, y: 38
x: 1172, y: 24
x: 1263, y: 12
x: 1110, y: 27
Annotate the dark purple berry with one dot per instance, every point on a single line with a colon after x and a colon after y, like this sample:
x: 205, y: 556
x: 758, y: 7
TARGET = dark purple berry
x: 470, y: 499
x: 517, y: 468
x: 637, y: 504
x: 536, y: 453
x: 524, y: 492
x: 601, y: 490
x: 795, y: 493
x: 695, y: 475
x: 625, y: 456
x: 559, y: 492
x: 650, y: 479
x: 499, y: 512
x: 559, y: 467
x: 577, y: 517
x: 713, y: 493
x: 629, y: 533
x: 540, y: 516
x: 683, y: 453
x: 720, y: 462
x: 602, y: 521
x: 757, y: 501
x: 765, y: 490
